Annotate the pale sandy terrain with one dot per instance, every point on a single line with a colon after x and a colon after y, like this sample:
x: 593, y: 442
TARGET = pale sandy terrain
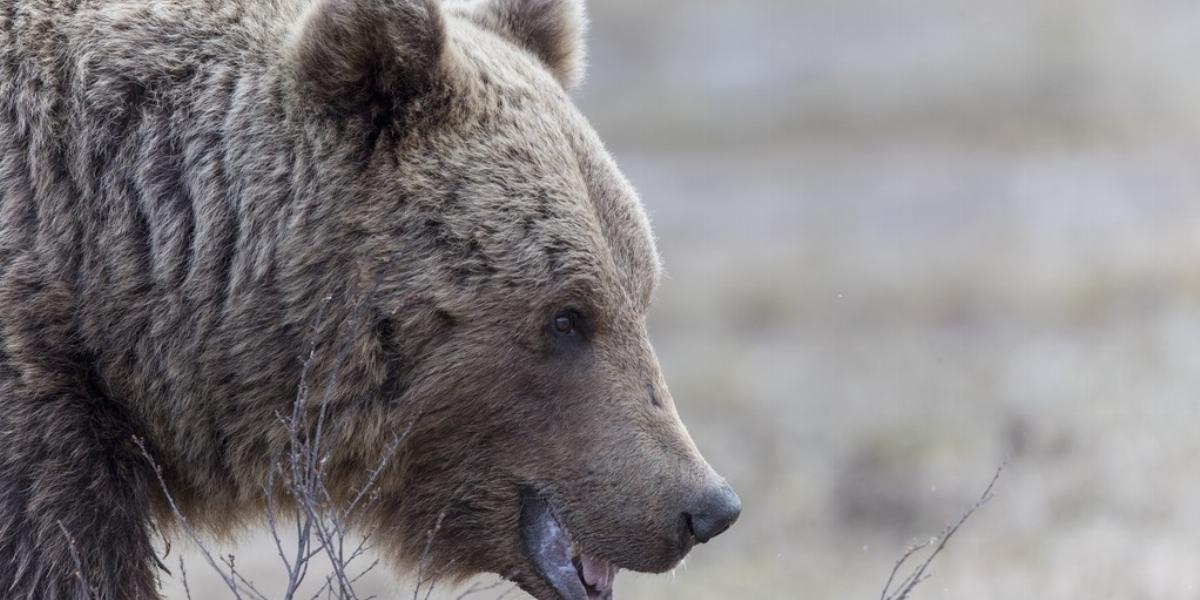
x: 907, y: 239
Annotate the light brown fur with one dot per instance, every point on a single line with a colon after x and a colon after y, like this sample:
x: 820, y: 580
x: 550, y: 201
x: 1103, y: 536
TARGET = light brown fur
x: 194, y: 192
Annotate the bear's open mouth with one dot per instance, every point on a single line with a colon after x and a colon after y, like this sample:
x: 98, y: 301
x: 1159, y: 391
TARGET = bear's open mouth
x: 559, y: 560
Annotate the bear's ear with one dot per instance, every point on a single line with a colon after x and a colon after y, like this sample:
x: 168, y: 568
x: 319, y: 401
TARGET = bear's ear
x: 368, y: 57
x: 553, y: 30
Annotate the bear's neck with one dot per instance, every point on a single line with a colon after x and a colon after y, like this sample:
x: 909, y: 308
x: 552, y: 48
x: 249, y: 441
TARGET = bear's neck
x: 210, y: 254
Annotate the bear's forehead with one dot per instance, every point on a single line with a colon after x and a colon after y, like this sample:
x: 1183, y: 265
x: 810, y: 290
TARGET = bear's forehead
x: 623, y: 223
x: 551, y: 210
x: 549, y: 186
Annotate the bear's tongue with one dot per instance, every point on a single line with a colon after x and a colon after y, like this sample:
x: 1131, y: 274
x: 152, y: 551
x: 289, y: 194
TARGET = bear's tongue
x: 573, y: 575
x: 598, y: 575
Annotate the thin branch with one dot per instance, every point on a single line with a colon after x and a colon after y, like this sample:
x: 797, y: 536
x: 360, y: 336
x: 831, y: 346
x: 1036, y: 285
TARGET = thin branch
x: 908, y: 552
x: 373, y: 477
x: 918, y: 574
x: 230, y: 581
x: 183, y: 577
x: 323, y: 523
x: 79, y: 571
x: 229, y: 561
x: 425, y: 554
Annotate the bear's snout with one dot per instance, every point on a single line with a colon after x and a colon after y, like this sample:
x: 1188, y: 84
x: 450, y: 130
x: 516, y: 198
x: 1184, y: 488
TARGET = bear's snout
x: 712, y: 512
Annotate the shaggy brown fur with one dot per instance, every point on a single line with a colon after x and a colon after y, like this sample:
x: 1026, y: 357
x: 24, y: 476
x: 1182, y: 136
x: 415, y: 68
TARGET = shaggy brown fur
x: 192, y: 191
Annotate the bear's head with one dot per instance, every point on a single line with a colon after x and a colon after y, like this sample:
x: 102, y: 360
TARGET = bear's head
x: 514, y: 268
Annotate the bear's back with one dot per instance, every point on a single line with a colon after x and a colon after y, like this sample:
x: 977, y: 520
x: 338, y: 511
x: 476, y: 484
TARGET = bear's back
x: 138, y: 170
x: 78, y: 77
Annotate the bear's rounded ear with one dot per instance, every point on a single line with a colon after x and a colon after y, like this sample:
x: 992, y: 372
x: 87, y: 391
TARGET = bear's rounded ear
x: 368, y: 57
x: 553, y: 30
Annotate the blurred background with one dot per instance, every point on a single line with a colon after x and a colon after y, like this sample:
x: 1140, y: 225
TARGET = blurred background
x: 904, y: 240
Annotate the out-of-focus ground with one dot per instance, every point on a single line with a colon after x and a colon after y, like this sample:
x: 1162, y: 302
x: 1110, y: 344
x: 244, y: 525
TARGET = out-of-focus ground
x: 905, y: 239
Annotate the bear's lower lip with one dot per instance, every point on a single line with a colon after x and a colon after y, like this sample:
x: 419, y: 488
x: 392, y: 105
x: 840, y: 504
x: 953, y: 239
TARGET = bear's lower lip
x: 572, y: 573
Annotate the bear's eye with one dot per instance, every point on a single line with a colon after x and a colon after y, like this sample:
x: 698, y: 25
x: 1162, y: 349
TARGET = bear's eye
x: 566, y: 322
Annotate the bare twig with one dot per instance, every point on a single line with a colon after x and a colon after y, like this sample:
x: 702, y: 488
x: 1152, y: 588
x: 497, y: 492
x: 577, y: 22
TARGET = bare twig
x: 906, y: 586
x: 230, y: 580
x: 183, y: 577
x: 229, y: 561
x: 421, y: 577
x: 79, y: 571
x: 322, y: 523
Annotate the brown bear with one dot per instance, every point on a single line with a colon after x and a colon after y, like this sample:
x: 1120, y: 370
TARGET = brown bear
x: 208, y: 205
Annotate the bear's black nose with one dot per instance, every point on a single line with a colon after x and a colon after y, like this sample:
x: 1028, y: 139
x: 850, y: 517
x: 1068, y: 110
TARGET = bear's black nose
x: 715, y: 510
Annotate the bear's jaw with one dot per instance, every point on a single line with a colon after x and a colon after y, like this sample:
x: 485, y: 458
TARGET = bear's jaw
x: 572, y: 573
